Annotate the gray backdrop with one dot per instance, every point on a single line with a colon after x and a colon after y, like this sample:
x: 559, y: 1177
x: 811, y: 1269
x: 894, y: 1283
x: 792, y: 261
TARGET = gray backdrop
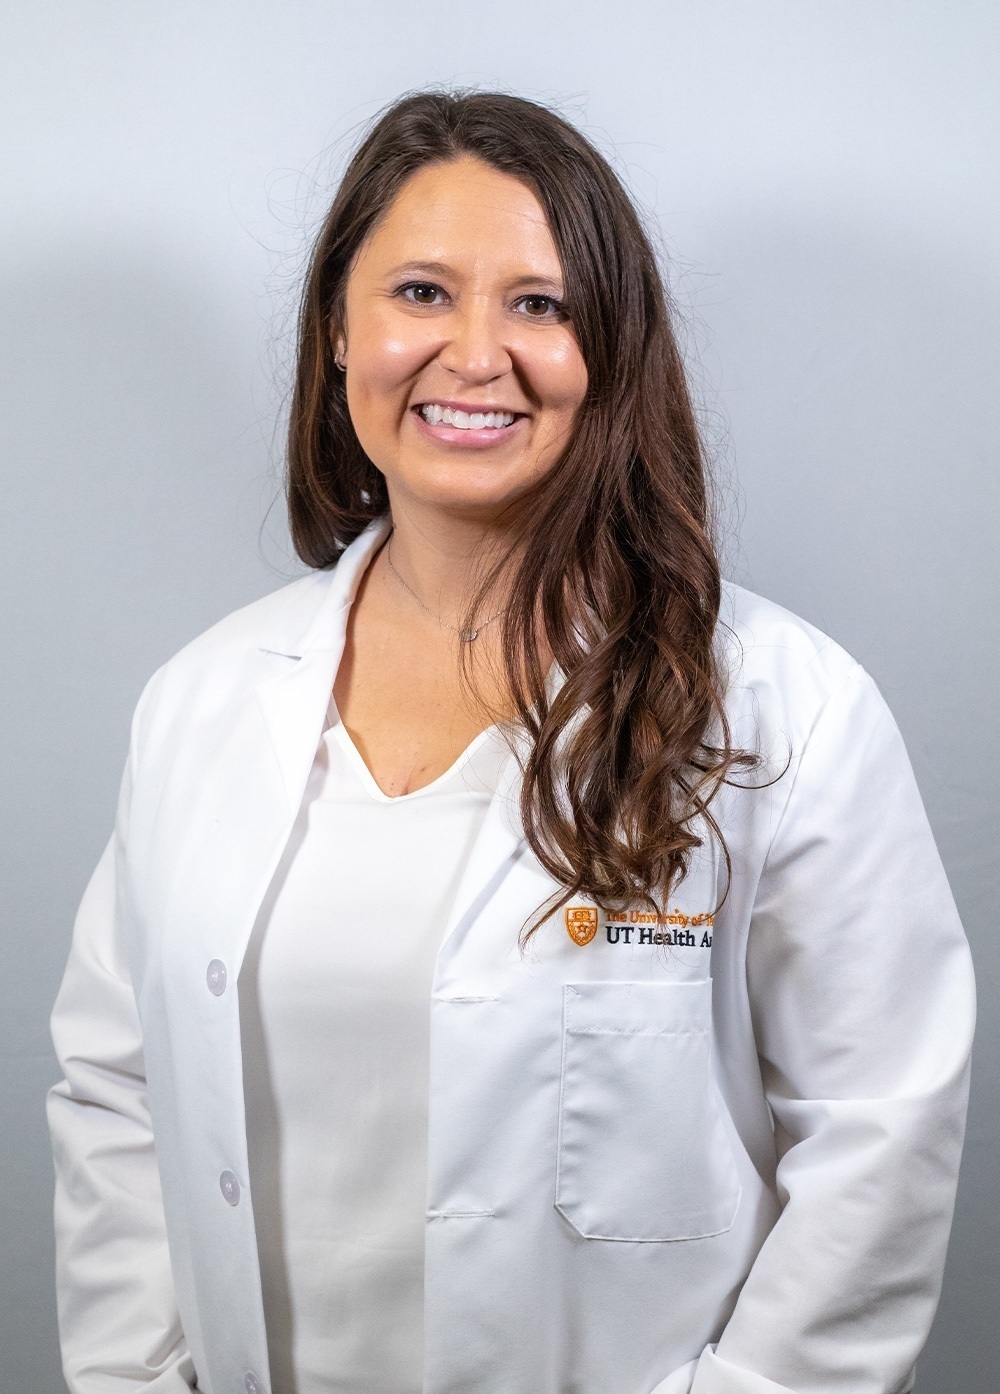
x: 825, y: 178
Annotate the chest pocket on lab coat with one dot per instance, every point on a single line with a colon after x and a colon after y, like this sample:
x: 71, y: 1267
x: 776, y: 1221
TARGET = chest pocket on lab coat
x: 643, y: 1153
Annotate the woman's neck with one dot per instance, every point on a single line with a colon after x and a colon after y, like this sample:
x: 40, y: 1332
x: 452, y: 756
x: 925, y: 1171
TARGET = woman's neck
x: 443, y: 560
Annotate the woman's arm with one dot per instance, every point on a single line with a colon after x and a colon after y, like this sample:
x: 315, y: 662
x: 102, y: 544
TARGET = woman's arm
x: 863, y: 999
x: 118, y: 1320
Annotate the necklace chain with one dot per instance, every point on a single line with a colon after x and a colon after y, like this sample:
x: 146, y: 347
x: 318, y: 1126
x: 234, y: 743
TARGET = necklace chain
x: 466, y: 635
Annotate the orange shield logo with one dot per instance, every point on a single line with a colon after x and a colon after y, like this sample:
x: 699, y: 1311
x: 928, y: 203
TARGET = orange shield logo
x: 581, y: 923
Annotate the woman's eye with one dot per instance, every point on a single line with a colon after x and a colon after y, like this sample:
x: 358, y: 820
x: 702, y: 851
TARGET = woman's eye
x: 541, y: 307
x: 420, y: 293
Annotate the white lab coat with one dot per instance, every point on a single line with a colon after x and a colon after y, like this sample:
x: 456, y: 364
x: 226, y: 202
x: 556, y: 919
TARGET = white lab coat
x: 708, y: 1157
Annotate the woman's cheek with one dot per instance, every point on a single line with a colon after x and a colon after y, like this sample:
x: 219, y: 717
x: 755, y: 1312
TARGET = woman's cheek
x: 379, y: 383
x: 394, y: 350
x: 558, y: 374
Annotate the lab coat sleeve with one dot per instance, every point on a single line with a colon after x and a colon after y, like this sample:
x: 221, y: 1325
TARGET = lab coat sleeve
x: 118, y: 1321
x: 862, y: 999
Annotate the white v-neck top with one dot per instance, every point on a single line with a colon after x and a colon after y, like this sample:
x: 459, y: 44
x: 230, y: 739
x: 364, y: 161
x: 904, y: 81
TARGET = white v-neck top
x: 335, y: 1009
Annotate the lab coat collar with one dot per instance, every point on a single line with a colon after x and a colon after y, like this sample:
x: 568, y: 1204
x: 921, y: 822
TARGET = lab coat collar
x: 326, y: 627
x: 294, y: 700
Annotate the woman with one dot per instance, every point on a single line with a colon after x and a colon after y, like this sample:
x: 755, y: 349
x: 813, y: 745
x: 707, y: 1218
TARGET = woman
x: 522, y: 962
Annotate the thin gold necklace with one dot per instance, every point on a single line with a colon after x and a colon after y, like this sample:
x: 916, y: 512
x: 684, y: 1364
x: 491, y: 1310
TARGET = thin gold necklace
x: 466, y: 635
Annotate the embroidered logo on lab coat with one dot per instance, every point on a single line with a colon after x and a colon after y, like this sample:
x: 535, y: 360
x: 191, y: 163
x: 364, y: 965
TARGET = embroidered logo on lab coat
x: 581, y: 923
x: 639, y: 926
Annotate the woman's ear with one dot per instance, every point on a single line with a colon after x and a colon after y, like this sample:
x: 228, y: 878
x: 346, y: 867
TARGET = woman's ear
x: 339, y: 350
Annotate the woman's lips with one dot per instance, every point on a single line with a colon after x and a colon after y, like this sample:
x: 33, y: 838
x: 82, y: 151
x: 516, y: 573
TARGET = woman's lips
x: 484, y: 439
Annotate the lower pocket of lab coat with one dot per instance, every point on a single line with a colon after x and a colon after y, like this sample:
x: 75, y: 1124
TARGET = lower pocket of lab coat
x: 643, y: 1153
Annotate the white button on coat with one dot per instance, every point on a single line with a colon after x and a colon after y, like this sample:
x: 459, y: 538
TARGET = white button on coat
x: 230, y: 1187
x: 603, y: 1167
x: 217, y: 977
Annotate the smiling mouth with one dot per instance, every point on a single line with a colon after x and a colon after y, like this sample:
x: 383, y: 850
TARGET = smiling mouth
x: 436, y: 415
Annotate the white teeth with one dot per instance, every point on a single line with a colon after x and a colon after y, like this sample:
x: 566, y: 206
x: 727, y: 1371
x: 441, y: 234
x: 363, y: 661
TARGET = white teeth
x: 436, y: 415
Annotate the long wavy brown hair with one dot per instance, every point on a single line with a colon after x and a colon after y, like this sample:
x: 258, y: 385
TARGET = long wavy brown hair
x: 615, y: 563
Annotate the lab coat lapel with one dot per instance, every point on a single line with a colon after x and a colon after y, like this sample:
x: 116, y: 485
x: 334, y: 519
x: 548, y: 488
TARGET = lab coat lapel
x: 293, y: 703
x: 499, y: 843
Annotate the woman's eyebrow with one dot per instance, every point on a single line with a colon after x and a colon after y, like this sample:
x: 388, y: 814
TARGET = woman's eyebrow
x: 427, y: 268
x: 537, y: 280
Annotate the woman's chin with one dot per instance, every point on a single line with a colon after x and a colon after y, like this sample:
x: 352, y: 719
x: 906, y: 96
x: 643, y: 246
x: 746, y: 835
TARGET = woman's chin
x: 480, y: 501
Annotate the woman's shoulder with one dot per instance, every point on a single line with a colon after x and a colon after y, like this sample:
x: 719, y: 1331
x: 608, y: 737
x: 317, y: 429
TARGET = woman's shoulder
x: 766, y: 634
x: 779, y: 670
x: 281, y: 619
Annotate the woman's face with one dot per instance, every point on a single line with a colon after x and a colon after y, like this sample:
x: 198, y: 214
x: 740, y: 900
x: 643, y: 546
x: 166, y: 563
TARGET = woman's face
x: 464, y: 376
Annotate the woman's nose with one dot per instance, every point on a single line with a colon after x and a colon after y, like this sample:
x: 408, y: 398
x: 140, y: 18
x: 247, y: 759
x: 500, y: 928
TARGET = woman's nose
x: 475, y: 350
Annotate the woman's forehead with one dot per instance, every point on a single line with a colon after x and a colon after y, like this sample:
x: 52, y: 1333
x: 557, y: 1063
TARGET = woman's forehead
x: 461, y: 214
